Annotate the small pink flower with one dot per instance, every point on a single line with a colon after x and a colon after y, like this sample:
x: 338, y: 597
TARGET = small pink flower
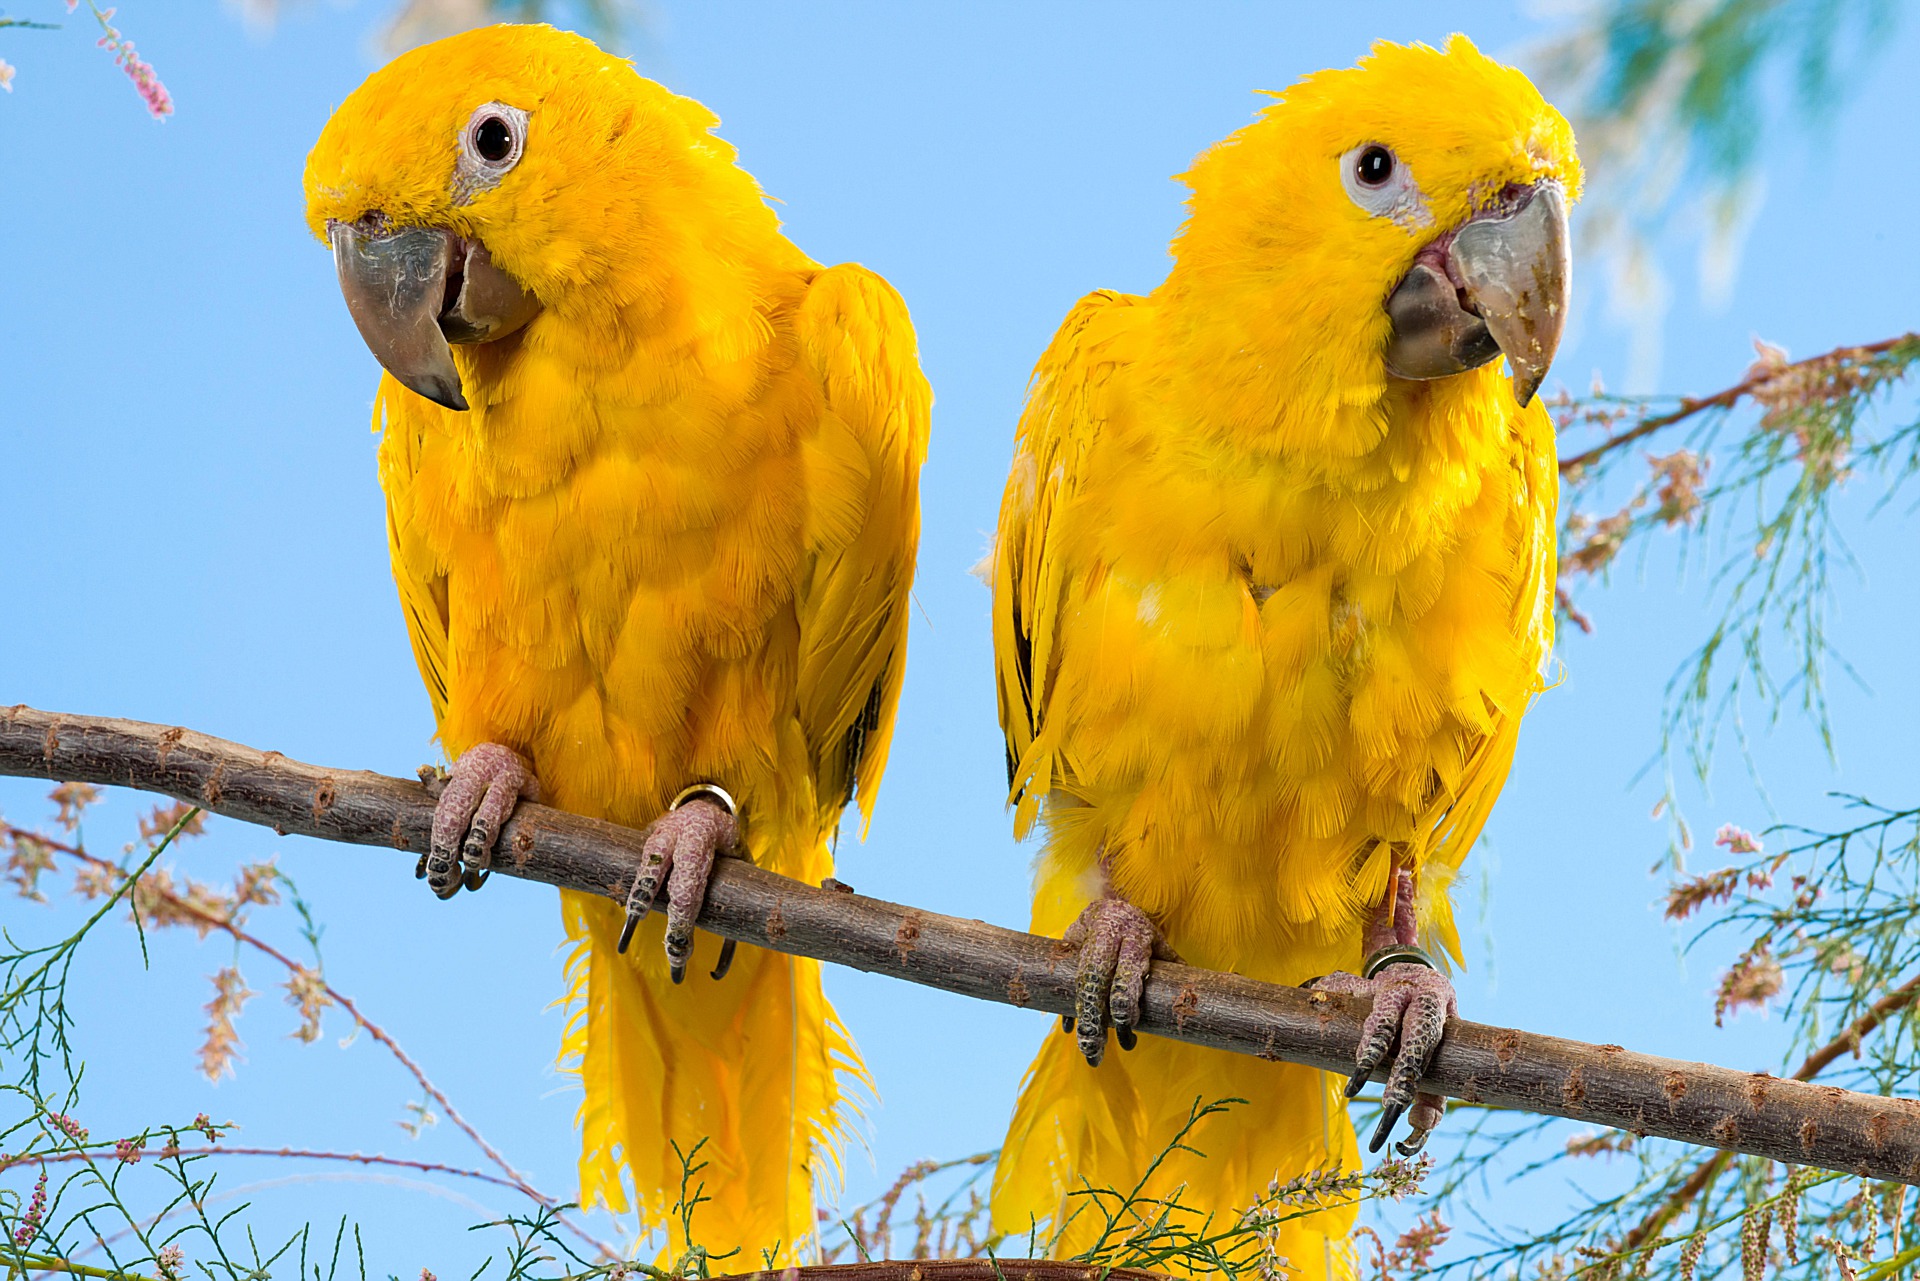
x: 1738, y: 840
x: 171, y: 1261
x: 127, y: 1151
x: 6, y: 75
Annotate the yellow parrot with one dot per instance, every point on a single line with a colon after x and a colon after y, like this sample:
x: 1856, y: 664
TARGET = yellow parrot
x: 652, y: 502
x: 1273, y: 585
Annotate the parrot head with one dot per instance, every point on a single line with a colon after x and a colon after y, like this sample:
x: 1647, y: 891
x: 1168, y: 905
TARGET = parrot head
x: 475, y: 184
x: 1405, y: 218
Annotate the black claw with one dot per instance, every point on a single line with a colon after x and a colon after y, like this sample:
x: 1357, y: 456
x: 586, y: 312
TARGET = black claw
x: 474, y: 880
x: 420, y: 869
x: 1388, y: 1116
x: 1126, y: 1037
x: 1066, y: 1024
x: 725, y: 963
x: 437, y: 873
x: 677, y: 970
x: 1411, y: 1145
x: 1358, y: 1081
x: 626, y: 931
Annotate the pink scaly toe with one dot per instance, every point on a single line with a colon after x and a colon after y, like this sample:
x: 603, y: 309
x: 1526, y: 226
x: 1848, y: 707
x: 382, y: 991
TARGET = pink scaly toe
x: 680, y: 848
x: 487, y: 782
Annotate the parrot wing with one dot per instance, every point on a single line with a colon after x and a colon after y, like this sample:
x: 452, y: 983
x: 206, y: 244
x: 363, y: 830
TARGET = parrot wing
x: 1485, y: 773
x: 1065, y: 408
x: 423, y: 587
x: 863, y: 529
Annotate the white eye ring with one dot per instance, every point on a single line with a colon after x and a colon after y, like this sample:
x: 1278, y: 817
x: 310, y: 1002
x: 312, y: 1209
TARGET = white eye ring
x: 482, y: 162
x: 1396, y: 196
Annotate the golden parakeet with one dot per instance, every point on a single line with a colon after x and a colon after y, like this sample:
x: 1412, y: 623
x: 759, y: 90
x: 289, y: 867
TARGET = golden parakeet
x: 1273, y: 585
x: 652, y: 502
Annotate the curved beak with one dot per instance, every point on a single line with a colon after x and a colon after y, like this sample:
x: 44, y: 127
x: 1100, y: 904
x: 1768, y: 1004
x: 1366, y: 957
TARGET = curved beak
x: 1498, y: 286
x: 414, y: 290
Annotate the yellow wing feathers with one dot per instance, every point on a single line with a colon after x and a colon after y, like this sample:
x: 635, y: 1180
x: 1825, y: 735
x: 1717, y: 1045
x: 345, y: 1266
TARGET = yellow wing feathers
x: 423, y: 590
x: 1065, y: 408
x: 862, y: 466
x: 1465, y: 809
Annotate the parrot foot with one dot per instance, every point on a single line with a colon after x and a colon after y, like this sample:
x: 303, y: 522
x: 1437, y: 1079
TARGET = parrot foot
x: 487, y: 782
x: 1117, y: 943
x: 1412, y: 1002
x: 680, y: 848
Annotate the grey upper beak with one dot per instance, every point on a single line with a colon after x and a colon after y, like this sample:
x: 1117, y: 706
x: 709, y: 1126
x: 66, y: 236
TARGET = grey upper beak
x: 396, y: 284
x: 1501, y: 288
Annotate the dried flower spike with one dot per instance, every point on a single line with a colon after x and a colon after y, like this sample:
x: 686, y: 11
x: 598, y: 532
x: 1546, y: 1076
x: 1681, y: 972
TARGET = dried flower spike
x: 1754, y: 979
x: 73, y: 799
x: 222, y: 1045
x: 1690, y: 1255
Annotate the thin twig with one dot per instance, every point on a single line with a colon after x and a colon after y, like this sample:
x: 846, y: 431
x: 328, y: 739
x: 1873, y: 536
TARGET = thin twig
x: 105, y: 1156
x: 1727, y: 399
x: 1698, y: 1103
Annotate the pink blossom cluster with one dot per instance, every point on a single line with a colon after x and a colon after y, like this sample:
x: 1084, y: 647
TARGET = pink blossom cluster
x: 68, y: 1126
x: 36, y: 1211
x: 139, y: 70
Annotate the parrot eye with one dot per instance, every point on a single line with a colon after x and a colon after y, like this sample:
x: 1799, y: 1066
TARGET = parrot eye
x: 1374, y: 166
x: 491, y: 143
x: 1382, y: 185
x: 495, y: 135
x: 493, y: 140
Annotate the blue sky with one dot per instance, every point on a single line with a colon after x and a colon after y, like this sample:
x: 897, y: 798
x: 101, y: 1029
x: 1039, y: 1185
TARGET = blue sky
x: 194, y: 535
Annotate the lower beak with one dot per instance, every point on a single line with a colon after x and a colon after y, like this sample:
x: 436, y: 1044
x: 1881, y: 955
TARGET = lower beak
x: 414, y: 290
x: 1498, y: 287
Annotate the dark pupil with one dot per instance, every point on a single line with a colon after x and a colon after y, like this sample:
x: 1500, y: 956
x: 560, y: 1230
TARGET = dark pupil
x: 493, y: 141
x: 1376, y: 166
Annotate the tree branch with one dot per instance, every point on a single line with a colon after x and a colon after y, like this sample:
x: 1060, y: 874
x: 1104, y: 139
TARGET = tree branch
x: 1697, y: 1103
x: 988, y: 1269
x: 1708, y: 1170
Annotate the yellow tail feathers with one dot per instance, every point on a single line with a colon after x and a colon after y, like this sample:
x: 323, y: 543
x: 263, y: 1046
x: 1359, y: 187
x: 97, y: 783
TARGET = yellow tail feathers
x: 737, y: 1063
x: 1079, y: 1127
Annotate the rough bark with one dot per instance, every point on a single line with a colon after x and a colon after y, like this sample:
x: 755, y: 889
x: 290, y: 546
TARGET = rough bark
x: 951, y: 1270
x: 1697, y: 1103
